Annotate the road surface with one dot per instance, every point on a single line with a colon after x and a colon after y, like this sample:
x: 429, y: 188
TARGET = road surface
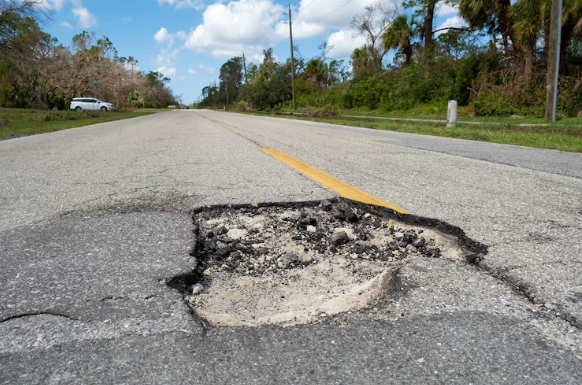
x: 94, y: 220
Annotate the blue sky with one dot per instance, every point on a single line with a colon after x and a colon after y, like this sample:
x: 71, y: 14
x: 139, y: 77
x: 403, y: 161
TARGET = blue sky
x: 188, y: 40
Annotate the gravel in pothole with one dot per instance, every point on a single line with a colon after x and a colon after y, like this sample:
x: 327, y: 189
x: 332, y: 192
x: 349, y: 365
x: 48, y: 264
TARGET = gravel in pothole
x: 276, y: 265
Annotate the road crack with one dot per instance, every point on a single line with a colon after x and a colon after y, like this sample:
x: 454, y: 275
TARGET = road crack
x: 526, y: 291
x: 39, y: 313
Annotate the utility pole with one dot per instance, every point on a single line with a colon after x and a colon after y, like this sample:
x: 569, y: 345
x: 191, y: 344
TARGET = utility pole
x: 245, y: 67
x: 553, y: 60
x: 292, y: 59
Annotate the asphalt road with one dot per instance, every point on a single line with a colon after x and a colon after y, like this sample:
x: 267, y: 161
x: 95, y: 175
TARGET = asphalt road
x: 94, y: 220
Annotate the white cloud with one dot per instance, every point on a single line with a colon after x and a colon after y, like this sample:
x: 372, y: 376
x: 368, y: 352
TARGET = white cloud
x: 126, y: 19
x: 167, y: 57
x: 208, y: 70
x: 197, y: 4
x: 169, y: 72
x: 343, y: 43
x: 444, y: 9
x: 191, y: 71
x: 181, y: 35
x: 84, y: 18
x: 53, y: 4
x: 454, y: 21
x: 163, y: 35
x: 230, y: 28
x: 66, y: 24
x: 330, y: 14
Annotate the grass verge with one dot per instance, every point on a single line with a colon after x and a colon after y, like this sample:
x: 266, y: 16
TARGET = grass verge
x: 18, y: 122
x: 506, y: 120
x: 555, y: 136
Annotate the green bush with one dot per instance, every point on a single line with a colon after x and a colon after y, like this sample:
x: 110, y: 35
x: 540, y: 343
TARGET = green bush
x: 489, y: 103
x: 327, y: 111
x: 240, y: 106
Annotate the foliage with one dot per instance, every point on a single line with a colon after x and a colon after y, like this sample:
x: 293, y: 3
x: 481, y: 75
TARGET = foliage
x: 496, y: 66
x: 241, y: 106
x: 36, y: 71
x: 326, y: 111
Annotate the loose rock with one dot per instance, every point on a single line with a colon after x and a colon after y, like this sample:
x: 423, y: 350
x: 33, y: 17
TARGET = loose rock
x: 237, y: 233
x: 344, y: 212
x: 197, y: 288
x: 294, y: 239
x: 338, y: 238
x: 288, y: 260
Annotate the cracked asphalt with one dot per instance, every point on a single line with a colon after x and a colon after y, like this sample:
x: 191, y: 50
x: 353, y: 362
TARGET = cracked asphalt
x: 94, y: 220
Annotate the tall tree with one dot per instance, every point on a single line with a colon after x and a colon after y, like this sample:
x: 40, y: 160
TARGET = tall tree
x: 371, y: 24
x: 530, y: 19
x: 492, y: 15
x: 428, y: 23
x: 14, y: 14
x: 231, y: 77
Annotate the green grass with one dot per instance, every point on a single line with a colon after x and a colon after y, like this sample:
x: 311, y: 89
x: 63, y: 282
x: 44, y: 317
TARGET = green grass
x: 480, y: 119
x: 440, y: 114
x: 564, y: 137
x: 20, y: 122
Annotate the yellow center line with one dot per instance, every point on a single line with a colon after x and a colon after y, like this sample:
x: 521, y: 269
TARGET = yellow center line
x: 342, y: 188
x: 213, y: 121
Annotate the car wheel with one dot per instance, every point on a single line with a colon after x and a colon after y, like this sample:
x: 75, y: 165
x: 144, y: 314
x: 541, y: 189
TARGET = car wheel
x: 103, y: 109
x: 78, y: 109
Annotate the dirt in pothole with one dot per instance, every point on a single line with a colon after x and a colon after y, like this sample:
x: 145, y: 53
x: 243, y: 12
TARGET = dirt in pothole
x: 285, y: 266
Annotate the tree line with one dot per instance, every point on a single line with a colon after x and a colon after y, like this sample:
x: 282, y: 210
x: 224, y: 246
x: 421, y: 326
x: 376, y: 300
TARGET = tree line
x: 38, y: 72
x: 495, y: 64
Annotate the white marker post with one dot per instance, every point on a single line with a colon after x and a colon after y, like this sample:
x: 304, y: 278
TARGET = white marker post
x: 452, y: 114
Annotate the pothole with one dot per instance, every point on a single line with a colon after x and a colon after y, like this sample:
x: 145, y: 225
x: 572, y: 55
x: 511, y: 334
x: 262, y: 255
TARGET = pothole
x: 288, y: 264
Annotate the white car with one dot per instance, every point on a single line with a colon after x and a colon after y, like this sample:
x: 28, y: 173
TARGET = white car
x: 90, y: 104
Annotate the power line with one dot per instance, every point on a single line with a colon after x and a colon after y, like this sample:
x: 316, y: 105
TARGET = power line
x: 271, y: 25
x: 335, y: 10
x: 260, y: 46
x: 261, y: 39
x: 304, y: 8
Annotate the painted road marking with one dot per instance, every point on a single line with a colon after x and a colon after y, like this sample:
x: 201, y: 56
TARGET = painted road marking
x: 342, y: 188
x: 212, y: 121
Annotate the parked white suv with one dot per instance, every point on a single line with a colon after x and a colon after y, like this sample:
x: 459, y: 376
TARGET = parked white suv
x: 90, y: 104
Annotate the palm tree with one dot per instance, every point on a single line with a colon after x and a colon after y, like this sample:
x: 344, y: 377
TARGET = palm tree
x: 364, y: 61
x: 571, y: 24
x: 316, y: 71
x: 333, y: 71
x: 530, y: 16
x: 399, y: 36
x: 494, y: 15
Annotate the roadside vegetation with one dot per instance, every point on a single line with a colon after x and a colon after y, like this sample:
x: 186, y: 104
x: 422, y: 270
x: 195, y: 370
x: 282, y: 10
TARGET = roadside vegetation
x: 494, y: 66
x: 22, y: 122
x: 36, y: 71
